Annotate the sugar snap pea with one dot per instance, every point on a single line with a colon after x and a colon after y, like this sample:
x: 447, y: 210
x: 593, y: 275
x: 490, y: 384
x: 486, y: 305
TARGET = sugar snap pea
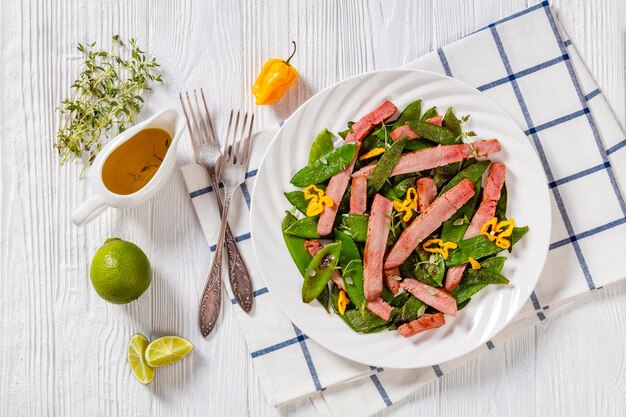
x: 418, y: 145
x: 351, y: 269
x: 385, y: 165
x: 325, y: 167
x: 300, y: 255
x: 305, y: 227
x: 474, y: 281
x: 319, y: 271
x: 296, y: 198
x: 430, y: 273
x: 502, y: 203
x: 361, y: 321
x: 401, y: 188
x: 453, y: 124
x: 433, y: 132
x: 454, y: 228
x: 355, y: 226
x: 322, y: 145
x: 479, y: 247
x: 412, y: 112
x: 430, y: 113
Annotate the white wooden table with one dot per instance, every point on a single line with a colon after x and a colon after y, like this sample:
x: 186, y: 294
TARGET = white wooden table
x: 62, y: 348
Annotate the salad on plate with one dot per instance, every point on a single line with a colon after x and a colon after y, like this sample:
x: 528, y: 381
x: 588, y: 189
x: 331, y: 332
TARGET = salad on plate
x: 405, y: 219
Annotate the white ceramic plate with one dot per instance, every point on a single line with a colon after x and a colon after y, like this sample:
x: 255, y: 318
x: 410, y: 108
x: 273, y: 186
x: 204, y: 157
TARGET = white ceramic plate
x: 491, y: 309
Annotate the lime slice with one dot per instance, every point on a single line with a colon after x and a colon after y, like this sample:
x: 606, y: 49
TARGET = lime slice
x: 136, y: 359
x: 167, y: 350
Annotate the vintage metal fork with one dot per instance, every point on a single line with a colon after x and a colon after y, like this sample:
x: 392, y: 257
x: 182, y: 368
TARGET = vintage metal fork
x: 207, y: 153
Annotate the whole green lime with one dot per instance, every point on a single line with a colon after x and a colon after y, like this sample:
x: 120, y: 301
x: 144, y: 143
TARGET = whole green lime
x: 120, y: 271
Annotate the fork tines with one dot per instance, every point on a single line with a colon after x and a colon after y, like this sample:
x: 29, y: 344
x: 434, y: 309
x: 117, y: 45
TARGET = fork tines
x: 237, y: 145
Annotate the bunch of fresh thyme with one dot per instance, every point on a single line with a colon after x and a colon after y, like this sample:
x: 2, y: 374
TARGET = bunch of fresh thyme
x: 105, y: 99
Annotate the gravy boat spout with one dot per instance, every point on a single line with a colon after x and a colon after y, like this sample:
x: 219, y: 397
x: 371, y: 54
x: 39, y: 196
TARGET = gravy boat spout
x: 169, y: 120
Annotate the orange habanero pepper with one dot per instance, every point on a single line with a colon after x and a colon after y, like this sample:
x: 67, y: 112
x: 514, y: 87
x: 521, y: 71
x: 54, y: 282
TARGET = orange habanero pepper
x: 274, y: 80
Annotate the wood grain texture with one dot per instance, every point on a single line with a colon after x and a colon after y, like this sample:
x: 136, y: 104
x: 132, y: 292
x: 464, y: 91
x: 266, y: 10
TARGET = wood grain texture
x: 62, y: 348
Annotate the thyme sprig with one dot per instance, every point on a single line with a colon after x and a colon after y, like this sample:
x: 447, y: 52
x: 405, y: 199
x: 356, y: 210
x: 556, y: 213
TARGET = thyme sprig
x: 105, y: 99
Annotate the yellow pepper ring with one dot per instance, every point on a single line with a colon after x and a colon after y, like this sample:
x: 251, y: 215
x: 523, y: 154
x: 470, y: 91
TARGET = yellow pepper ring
x: 474, y: 263
x: 374, y: 152
x: 318, y: 200
x: 342, y: 302
x: 406, y: 206
x: 498, y: 231
x: 443, y: 248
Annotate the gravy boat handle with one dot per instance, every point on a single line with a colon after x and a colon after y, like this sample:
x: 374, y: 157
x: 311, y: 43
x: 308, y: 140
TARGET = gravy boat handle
x: 89, y: 210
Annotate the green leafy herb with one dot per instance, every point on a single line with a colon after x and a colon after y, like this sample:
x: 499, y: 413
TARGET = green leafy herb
x: 105, y: 99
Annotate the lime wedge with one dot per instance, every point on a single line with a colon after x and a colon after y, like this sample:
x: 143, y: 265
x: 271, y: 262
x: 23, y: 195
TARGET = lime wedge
x: 136, y: 359
x: 167, y: 350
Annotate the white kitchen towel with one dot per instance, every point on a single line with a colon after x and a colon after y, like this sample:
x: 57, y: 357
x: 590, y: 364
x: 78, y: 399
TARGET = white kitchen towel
x: 528, y: 65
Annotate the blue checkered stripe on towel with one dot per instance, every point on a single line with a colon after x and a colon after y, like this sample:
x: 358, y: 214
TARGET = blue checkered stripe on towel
x: 519, y: 82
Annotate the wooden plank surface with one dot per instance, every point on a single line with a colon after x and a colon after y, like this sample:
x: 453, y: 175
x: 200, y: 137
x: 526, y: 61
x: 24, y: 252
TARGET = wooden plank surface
x: 62, y: 348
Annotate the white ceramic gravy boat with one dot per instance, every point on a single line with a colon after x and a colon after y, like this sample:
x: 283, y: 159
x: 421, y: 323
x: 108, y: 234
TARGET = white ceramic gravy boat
x: 102, y: 198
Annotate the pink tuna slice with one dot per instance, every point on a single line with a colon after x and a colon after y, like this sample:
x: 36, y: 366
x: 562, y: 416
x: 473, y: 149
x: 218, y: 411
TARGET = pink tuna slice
x: 375, y: 245
x: 402, y: 131
x: 426, y: 193
x: 339, y: 182
x: 380, y: 308
x: 486, y: 210
x: 427, y: 222
x: 390, y: 282
x: 405, y: 130
x: 314, y: 246
x: 437, y: 120
x: 425, y: 322
x: 358, y: 195
x: 431, y: 296
x: 430, y: 158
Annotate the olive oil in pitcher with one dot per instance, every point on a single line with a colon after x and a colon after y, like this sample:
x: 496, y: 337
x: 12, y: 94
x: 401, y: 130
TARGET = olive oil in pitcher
x: 133, y: 164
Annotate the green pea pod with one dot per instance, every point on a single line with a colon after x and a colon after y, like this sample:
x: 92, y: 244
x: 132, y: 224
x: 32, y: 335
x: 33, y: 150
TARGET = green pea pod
x: 351, y: 269
x: 319, y: 271
x: 453, y: 124
x: 404, y: 185
x: 411, y: 112
x: 322, y: 145
x: 460, y: 306
x: 411, y: 310
x: 479, y: 247
x: 300, y: 254
x: 325, y: 167
x: 473, y: 172
x: 361, y: 321
x: 475, y: 281
x: 346, y: 132
x: 385, y: 165
x: 407, y: 269
x: 296, y: 198
x: 444, y: 174
x: 454, y: 228
x: 400, y: 299
x: 433, y: 132
x: 493, y: 264
x: 430, y: 273
x: 355, y: 226
x: 430, y: 113
x: 389, y: 192
x: 502, y: 203
x: 370, y: 142
x: 418, y: 145
x: 305, y: 227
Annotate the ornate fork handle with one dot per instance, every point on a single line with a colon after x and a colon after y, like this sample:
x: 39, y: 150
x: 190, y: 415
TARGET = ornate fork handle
x: 238, y: 274
x: 211, y: 298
